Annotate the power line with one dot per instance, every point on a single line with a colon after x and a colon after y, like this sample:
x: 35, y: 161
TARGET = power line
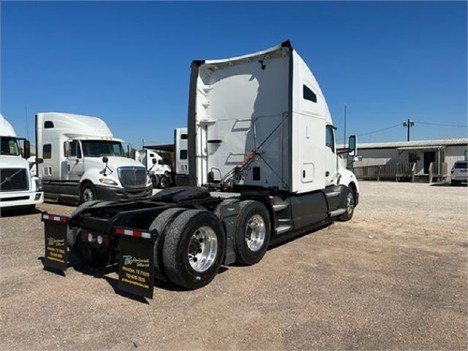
x: 444, y: 125
x: 380, y: 130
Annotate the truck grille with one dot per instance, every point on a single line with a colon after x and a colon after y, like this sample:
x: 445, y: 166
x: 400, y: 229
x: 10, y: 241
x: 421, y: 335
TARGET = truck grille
x: 13, y: 179
x: 132, y: 177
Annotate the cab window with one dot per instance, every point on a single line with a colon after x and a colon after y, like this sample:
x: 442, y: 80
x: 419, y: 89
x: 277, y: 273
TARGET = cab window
x: 330, y: 138
x: 75, y: 150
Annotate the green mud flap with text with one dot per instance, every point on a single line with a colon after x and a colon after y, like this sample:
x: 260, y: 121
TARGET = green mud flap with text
x: 55, y: 235
x: 136, y: 269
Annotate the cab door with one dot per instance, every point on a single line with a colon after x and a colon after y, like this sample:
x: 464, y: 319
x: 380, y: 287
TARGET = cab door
x: 331, y: 166
x: 75, y: 161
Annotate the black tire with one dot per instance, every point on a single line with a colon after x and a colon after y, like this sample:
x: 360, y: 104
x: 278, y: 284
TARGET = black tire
x: 88, y: 193
x: 160, y: 224
x: 252, y: 235
x: 193, y: 248
x: 154, y: 180
x: 350, y: 203
x: 164, y: 182
x: 454, y: 182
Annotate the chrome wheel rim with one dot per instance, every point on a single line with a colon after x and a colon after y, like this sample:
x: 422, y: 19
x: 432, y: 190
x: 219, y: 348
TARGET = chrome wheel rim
x: 255, y: 233
x: 88, y: 195
x: 203, y: 248
x: 350, y: 203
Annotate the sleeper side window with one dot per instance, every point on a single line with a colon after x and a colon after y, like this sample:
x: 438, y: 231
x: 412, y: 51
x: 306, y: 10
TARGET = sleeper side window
x: 308, y: 94
x: 47, y: 151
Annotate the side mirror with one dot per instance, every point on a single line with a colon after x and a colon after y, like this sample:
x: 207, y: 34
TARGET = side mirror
x: 352, y: 146
x: 105, y: 159
x: 154, y: 161
x: 27, y: 149
x: 66, y: 148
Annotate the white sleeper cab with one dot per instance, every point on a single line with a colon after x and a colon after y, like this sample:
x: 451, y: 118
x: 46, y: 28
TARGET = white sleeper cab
x: 159, y: 172
x: 263, y: 168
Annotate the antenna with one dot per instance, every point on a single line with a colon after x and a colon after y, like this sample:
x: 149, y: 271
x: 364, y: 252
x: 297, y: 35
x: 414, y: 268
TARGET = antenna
x: 344, y: 140
x: 27, y: 126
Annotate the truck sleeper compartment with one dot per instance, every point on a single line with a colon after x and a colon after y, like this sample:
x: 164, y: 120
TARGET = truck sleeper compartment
x: 263, y: 168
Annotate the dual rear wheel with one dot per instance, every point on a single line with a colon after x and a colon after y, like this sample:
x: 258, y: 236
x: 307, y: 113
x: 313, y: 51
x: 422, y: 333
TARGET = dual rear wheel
x: 190, y: 245
x: 193, y: 248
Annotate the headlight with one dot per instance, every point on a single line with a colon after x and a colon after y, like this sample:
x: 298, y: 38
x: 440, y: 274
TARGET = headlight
x: 38, y: 184
x: 107, y: 181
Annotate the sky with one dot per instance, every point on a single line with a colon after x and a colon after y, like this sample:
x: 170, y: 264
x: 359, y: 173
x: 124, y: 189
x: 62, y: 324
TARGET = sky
x: 129, y: 62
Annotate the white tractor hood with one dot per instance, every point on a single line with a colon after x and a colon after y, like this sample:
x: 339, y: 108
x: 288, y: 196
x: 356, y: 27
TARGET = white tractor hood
x: 13, y: 162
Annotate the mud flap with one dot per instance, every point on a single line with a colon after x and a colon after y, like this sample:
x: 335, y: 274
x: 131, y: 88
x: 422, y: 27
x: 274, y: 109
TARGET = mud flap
x: 136, y: 269
x: 229, y: 213
x: 55, y: 235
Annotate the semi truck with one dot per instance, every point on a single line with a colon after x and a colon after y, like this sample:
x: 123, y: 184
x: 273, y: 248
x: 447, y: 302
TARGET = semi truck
x: 82, y: 161
x: 181, y: 157
x: 159, y: 172
x: 19, y: 188
x: 263, y: 168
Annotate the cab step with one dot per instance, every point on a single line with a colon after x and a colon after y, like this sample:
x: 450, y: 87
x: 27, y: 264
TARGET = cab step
x: 337, y: 212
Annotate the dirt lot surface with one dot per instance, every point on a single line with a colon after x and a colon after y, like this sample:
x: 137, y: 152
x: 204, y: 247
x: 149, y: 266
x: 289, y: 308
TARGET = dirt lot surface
x: 395, y: 277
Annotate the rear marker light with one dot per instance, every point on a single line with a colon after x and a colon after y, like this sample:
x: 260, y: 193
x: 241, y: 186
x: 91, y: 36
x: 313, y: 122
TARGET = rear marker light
x: 54, y: 218
x: 134, y: 233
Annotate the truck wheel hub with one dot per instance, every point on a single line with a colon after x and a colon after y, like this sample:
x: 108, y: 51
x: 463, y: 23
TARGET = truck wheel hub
x: 202, y: 249
x: 255, y: 233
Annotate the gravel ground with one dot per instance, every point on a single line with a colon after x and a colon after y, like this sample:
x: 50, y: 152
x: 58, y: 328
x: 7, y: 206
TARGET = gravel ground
x: 395, y: 277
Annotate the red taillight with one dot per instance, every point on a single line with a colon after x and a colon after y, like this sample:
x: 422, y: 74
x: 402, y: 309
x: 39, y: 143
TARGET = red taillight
x: 107, y: 241
x: 84, y: 235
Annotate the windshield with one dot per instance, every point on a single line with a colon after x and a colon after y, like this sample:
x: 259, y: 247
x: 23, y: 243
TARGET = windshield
x: 9, y: 146
x: 98, y: 148
x: 461, y: 165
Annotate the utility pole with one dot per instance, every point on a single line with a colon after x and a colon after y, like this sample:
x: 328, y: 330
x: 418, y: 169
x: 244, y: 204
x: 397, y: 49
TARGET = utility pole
x: 408, y: 124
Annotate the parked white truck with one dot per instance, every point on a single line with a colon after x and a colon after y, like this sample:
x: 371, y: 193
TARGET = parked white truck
x: 18, y: 187
x: 263, y: 167
x: 181, y: 170
x: 82, y: 161
x: 158, y: 171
